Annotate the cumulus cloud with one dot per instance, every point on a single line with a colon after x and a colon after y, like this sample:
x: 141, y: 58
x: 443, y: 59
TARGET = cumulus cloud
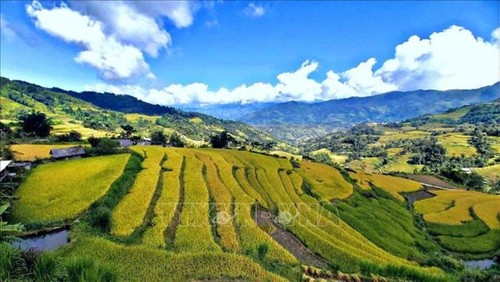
x: 451, y: 59
x: 253, y: 10
x: 111, y: 43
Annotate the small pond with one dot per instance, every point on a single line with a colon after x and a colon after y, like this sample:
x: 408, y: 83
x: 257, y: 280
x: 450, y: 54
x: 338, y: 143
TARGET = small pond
x: 44, y: 242
x: 481, y: 264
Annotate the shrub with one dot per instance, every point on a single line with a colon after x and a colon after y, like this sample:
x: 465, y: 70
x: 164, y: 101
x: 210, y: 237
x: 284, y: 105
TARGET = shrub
x: 72, y: 136
x: 262, y: 251
x: 101, y: 218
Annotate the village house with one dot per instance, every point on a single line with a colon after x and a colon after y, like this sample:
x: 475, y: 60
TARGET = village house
x: 125, y: 142
x: 67, y: 153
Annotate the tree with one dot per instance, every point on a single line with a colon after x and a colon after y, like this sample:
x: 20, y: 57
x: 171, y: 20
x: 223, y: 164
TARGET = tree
x: 36, y: 123
x: 4, y: 129
x: 107, y: 146
x: 158, y: 138
x: 221, y: 140
x: 72, y: 136
x: 128, y: 130
x: 175, y: 140
x: 93, y: 141
x: 7, y: 229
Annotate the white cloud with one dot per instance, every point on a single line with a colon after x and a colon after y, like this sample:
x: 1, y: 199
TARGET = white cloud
x: 255, y: 11
x: 114, y: 34
x: 113, y: 59
x: 451, y: 59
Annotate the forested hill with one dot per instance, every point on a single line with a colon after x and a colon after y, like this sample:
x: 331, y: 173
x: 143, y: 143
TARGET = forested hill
x: 483, y: 113
x: 106, y: 113
x: 389, y: 107
x: 120, y: 103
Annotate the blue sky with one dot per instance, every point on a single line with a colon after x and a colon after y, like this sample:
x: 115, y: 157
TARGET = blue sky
x: 224, y: 52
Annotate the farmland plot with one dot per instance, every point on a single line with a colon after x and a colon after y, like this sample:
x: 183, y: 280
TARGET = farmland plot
x: 62, y: 190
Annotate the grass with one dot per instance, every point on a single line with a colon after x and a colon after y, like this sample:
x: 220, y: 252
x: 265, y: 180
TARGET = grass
x: 31, y: 152
x: 393, y: 185
x: 130, y: 212
x: 62, y: 190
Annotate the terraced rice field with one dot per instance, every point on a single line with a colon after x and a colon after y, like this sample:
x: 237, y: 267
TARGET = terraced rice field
x: 189, y: 214
x: 490, y: 173
x: 396, y: 135
x: 400, y: 164
x: 31, y: 152
x: 62, y: 190
x: 463, y: 221
x: 456, y: 144
x: 454, y: 207
x: 393, y: 185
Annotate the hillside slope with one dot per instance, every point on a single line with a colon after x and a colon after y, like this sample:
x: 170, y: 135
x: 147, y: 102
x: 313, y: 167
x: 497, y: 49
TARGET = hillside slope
x: 100, y: 114
x: 389, y: 107
x: 203, y: 208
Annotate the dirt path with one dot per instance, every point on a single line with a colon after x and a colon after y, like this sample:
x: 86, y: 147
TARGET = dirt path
x: 172, y: 226
x: 288, y: 240
x: 431, y: 181
x: 417, y: 196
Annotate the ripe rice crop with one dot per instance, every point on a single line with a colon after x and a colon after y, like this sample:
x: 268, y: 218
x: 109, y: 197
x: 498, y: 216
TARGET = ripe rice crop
x: 391, y: 184
x: 459, y: 211
x: 250, y: 235
x: 140, y: 263
x: 489, y: 212
x: 326, y: 181
x: 194, y: 233
x: 223, y: 205
x: 130, y: 212
x: 167, y: 202
x: 456, y: 144
x: 31, y: 152
x: 62, y: 190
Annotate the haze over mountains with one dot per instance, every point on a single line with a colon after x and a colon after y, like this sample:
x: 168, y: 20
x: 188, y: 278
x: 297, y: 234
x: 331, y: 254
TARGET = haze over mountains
x: 315, y: 119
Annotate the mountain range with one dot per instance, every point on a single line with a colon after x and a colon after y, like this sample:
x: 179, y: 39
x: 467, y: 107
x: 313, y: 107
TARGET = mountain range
x: 297, y: 121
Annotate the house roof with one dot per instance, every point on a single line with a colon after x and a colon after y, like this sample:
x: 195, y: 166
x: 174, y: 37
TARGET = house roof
x: 125, y: 142
x: 4, y: 164
x: 67, y: 152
